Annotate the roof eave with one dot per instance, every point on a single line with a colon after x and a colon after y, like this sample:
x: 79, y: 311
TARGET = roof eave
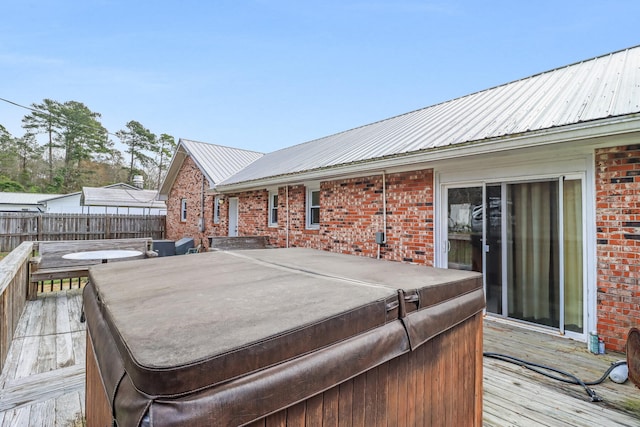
x: 580, y: 131
x: 172, y: 172
x: 154, y: 205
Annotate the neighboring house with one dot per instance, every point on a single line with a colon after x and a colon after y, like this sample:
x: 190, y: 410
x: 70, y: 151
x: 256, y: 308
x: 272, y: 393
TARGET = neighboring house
x: 65, y: 203
x: 122, y: 199
x: 24, y: 202
x: 535, y: 183
x: 118, y: 198
x: 192, y: 205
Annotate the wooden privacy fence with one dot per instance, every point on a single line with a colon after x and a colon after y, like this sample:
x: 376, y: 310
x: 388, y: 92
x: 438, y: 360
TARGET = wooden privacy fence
x: 19, y: 227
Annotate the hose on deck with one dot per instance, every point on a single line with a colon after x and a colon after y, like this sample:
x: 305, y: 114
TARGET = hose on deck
x: 565, y: 377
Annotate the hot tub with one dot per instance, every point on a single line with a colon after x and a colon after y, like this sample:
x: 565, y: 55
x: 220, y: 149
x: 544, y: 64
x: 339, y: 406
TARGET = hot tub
x: 296, y: 336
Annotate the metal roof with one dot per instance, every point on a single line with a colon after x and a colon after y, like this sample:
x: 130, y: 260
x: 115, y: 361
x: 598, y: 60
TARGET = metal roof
x: 217, y: 162
x: 121, y: 197
x: 25, y: 198
x: 599, y: 88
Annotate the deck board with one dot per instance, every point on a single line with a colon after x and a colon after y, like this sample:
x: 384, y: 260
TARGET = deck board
x: 543, y: 403
x: 64, y: 340
x: 514, y: 395
x: 43, y: 380
x: 41, y: 387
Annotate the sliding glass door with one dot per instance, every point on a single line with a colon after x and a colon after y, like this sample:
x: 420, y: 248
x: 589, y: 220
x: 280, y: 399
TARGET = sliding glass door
x: 533, y: 254
x: 493, y: 254
x: 572, y: 256
x: 464, y: 228
x: 526, y: 239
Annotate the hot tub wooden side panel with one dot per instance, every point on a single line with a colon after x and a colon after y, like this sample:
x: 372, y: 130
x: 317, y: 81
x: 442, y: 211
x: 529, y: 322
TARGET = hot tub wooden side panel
x: 440, y: 383
x: 96, y: 401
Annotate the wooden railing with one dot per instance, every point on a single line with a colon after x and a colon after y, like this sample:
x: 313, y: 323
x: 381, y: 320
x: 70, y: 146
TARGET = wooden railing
x: 14, y: 278
x: 49, y: 266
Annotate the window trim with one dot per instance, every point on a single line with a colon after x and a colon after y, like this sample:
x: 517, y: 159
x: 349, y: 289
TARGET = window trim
x: 272, y: 208
x: 308, y: 207
x: 183, y: 210
x: 216, y: 209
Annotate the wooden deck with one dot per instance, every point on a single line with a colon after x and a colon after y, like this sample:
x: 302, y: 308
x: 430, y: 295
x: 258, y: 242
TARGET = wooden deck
x: 515, y: 396
x: 43, y: 381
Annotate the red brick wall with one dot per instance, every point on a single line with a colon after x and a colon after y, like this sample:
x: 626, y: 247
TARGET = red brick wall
x: 351, y: 212
x: 189, y: 185
x: 410, y: 217
x: 253, y: 213
x: 618, y: 242
x: 299, y: 236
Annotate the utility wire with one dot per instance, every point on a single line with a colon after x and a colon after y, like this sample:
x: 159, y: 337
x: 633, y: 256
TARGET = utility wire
x: 22, y: 106
x: 35, y: 110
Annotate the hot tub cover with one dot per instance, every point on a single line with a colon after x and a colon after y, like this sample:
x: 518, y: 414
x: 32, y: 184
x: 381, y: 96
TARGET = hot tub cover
x: 224, y: 338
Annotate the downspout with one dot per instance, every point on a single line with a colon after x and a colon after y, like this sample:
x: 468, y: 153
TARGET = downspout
x: 202, y: 207
x: 384, y: 213
x: 286, y: 197
x: 384, y: 206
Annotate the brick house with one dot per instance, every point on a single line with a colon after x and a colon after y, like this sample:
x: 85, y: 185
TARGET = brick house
x: 188, y: 188
x: 535, y: 183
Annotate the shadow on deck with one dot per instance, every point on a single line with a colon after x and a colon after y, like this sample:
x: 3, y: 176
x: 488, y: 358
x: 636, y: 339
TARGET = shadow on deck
x: 43, y: 380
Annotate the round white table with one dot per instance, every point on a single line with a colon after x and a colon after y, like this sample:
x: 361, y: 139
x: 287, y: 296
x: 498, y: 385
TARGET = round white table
x: 105, y: 254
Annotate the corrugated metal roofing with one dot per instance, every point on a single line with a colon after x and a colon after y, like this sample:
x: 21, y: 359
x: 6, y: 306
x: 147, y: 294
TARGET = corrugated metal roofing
x: 219, y: 162
x: 603, y: 87
x: 121, y: 197
x: 24, y: 198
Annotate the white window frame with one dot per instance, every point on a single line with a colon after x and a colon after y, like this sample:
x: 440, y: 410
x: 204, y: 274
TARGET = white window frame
x: 309, y: 206
x: 217, y: 201
x: 273, y: 208
x: 183, y: 210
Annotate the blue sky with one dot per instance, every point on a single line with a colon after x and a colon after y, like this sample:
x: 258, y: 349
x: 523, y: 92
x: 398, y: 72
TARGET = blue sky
x: 267, y: 74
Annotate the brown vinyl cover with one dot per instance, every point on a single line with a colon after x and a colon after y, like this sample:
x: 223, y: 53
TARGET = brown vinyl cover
x: 227, y: 338
x: 451, y: 296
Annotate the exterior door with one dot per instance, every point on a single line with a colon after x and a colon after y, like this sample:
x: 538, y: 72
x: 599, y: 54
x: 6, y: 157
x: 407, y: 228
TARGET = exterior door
x: 233, y: 217
x: 533, y: 268
x: 526, y: 239
x: 493, y: 253
x: 474, y: 237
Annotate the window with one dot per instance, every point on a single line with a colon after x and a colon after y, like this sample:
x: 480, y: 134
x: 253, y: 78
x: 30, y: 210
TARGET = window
x: 273, y: 208
x: 313, y: 208
x: 183, y: 210
x: 217, y: 201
